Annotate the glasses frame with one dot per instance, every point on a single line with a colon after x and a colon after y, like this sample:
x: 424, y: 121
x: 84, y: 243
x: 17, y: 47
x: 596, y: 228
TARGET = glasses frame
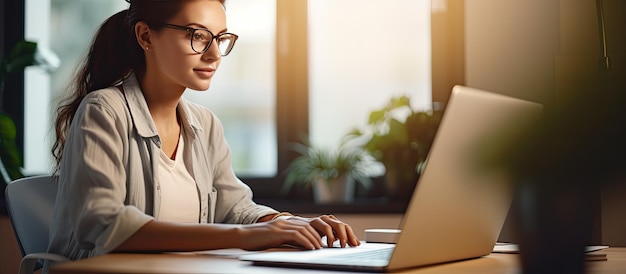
x: 213, y: 37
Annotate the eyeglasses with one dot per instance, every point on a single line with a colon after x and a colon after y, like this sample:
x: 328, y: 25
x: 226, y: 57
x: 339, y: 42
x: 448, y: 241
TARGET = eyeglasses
x: 201, y: 39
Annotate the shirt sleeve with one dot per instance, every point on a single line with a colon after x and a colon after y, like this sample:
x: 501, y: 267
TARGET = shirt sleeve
x: 94, y: 178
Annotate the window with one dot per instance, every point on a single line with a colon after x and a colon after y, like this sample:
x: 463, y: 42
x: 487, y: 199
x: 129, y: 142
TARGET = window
x: 296, y: 69
x: 370, y: 50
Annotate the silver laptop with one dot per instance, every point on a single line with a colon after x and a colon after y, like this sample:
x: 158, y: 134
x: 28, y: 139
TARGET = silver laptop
x: 458, y: 207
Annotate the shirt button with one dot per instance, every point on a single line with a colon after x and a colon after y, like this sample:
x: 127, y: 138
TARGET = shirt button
x: 158, y: 187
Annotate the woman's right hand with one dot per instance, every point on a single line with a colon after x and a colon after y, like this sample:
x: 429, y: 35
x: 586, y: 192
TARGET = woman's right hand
x: 279, y: 232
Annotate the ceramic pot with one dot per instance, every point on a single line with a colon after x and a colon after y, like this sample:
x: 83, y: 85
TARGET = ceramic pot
x: 334, y: 190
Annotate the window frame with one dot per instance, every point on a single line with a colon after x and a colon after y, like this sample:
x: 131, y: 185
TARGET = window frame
x: 11, y: 32
x: 292, y: 111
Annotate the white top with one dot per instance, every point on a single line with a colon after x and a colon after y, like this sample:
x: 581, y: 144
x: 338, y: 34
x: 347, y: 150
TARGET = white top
x: 179, y: 195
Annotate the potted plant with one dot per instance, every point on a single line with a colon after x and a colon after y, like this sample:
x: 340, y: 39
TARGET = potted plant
x: 332, y: 173
x: 23, y: 54
x: 401, y: 145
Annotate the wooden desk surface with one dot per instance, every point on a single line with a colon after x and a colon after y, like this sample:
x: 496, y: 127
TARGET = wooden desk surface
x: 225, y: 262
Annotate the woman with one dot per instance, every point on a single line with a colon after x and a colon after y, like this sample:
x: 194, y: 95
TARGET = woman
x: 141, y: 169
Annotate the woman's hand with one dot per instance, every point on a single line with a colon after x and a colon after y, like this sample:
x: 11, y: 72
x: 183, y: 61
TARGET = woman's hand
x: 297, y: 231
x: 279, y: 232
x: 331, y: 227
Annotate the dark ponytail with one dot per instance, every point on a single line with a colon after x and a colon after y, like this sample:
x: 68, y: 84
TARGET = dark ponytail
x: 105, y: 64
x: 113, y: 54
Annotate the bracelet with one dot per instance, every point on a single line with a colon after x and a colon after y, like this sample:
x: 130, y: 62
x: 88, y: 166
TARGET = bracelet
x: 282, y: 215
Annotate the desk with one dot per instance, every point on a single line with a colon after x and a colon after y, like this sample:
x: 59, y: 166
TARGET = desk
x: 206, y: 263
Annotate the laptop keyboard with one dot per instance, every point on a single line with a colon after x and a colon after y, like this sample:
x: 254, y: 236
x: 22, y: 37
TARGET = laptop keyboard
x: 376, y: 254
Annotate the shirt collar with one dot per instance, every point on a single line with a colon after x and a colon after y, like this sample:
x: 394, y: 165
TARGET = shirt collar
x: 140, y: 113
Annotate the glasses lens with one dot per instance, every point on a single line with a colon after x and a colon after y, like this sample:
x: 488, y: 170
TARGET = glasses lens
x: 201, y: 40
x: 225, y: 43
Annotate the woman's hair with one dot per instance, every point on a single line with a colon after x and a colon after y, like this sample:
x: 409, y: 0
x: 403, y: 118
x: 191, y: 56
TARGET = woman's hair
x: 113, y: 54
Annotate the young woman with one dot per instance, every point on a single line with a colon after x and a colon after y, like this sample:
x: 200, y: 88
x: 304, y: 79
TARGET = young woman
x: 141, y: 169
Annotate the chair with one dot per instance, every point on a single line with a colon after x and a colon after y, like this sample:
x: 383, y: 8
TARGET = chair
x: 30, y: 204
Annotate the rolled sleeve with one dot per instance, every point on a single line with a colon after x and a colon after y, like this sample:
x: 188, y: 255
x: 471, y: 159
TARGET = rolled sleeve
x: 128, y: 221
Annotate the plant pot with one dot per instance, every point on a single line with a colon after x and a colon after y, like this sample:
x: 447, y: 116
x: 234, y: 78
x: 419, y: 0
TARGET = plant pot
x: 400, y: 183
x: 333, y: 191
x: 554, y: 225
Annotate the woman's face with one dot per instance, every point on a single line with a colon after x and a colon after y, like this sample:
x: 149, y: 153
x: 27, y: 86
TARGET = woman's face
x: 173, y: 54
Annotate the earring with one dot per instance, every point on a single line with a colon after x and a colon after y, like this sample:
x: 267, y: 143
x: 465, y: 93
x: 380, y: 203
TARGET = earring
x: 147, y: 47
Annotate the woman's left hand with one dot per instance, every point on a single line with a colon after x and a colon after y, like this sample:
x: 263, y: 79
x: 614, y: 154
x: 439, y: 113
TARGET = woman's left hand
x: 331, y: 227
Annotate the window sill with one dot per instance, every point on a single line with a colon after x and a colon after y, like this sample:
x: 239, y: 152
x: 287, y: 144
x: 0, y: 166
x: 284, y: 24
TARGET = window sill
x: 358, y: 206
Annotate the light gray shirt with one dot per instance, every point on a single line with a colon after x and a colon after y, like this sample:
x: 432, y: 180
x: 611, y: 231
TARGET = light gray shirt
x: 108, y: 187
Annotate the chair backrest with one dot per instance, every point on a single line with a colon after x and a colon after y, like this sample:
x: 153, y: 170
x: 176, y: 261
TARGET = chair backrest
x: 30, y: 204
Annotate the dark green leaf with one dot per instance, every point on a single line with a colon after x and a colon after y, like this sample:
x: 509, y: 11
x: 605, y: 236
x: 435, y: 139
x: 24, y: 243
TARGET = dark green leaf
x: 9, y: 154
x: 22, y: 55
x: 377, y: 117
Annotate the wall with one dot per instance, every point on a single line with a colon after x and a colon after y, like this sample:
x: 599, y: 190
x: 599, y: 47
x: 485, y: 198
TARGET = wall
x: 9, y: 250
x: 540, y: 50
x: 510, y: 46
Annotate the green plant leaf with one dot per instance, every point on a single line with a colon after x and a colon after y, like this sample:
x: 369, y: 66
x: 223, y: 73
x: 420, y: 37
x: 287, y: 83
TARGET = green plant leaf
x: 397, y: 133
x: 9, y: 154
x: 377, y: 117
x: 398, y: 102
x: 22, y: 55
x: 400, y: 138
